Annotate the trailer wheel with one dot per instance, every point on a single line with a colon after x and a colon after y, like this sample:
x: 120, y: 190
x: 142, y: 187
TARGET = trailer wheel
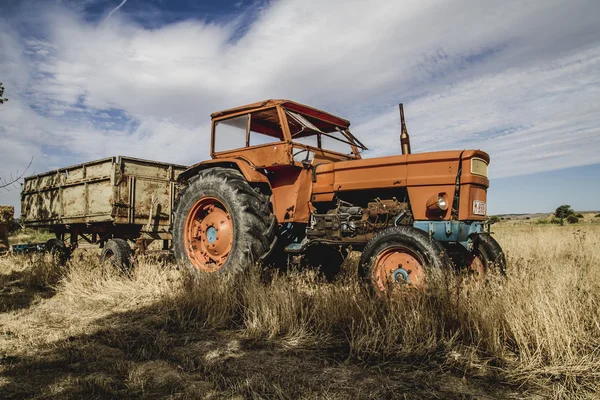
x: 221, y: 223
x: 487, y: 255
x: 117, y: 252
x: 58, y: 249
x: 402, y: 256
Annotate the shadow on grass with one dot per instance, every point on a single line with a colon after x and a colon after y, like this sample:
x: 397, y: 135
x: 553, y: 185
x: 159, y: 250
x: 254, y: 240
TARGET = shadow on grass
x: 19, y: 291
x: 152, y: 353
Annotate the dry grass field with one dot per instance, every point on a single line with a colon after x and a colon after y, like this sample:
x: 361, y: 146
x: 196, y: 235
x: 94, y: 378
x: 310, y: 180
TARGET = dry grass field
x: 86, y: 331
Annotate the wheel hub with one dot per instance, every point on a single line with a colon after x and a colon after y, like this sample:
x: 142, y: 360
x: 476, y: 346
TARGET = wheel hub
x: 400, y: 276
x: 397, y: 266
x: 211, y: 234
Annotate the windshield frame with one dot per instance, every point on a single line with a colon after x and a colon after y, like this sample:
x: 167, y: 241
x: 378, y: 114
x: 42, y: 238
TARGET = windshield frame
x: 300, y: 118
x: 346, y: 136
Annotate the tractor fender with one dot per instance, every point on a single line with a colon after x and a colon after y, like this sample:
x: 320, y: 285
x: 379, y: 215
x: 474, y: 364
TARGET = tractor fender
x: 251, y: 174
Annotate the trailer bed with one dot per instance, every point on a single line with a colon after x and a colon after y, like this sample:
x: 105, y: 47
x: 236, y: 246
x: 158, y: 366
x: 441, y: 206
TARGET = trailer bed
x: 113, y: 193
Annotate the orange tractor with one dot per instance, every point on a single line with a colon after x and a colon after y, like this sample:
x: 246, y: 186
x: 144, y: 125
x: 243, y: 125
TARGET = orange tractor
x: 288, y: 179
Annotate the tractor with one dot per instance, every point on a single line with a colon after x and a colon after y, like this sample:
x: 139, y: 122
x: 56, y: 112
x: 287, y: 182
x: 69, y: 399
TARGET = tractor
x: 288, y: 179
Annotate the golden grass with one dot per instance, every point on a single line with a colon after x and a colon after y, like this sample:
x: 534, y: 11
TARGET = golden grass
x: 164, y: 332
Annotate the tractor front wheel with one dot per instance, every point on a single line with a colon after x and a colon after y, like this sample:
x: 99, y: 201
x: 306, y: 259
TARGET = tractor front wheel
x: 401, y: 256
x: 221, y: 223
x: 486, y: 256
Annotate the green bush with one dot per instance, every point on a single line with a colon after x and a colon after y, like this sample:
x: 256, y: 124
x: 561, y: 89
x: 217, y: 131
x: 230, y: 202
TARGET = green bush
x: 579, y: 215
x: 556, y: 221
x: 572, y: 219
x: 597, y: 216
x: 542, y: 221
x: 493, y: 219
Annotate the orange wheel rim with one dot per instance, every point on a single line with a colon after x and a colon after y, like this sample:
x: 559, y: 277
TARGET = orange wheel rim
x: 208, y: 234
x: 477, y: 268
x: 397, y: 267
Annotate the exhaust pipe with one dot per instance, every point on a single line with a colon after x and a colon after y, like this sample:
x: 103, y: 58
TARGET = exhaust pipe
x: 404, y: 139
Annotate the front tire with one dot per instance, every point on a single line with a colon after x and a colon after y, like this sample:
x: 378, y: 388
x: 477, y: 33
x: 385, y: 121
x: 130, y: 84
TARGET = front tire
x: 487, y: 256
x: 222, y: 224
x: 401, y: 255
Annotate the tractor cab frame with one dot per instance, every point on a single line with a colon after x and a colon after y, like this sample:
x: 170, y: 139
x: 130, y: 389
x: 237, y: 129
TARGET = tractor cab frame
x: 275, y: 133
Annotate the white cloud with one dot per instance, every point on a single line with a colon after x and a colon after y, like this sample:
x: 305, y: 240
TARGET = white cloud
x: 517, y: 79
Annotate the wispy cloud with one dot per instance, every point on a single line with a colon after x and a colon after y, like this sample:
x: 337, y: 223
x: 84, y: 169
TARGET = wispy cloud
x: 114, y: 10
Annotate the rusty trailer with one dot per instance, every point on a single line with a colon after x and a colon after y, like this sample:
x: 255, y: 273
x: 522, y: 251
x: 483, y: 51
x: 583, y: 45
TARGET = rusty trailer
x: 112, y: 199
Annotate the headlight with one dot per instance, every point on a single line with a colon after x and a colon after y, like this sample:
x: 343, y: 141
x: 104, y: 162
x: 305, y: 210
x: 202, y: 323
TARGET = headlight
x: 438, y: 202
x: 442, y: 204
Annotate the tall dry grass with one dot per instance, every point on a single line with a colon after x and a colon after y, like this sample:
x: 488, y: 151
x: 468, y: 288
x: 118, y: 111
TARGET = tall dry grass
x: 538, y: 329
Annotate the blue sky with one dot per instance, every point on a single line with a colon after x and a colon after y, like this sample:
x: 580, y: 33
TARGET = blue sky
x: 521, y: 80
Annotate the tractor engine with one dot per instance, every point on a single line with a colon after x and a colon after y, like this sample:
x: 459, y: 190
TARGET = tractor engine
x: 349, y: 221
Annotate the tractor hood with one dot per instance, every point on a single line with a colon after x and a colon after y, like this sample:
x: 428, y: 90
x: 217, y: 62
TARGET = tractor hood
x: 423, y: 174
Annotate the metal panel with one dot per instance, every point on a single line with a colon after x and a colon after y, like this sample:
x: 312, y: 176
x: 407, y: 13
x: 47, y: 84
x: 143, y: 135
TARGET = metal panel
x: 121, y: 190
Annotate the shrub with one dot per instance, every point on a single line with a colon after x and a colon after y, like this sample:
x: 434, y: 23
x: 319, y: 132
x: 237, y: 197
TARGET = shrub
x: 579, y: 215
x: 542, y: 221
x: 571, y: 219
x: 555, y: 220
x: 493, y: 219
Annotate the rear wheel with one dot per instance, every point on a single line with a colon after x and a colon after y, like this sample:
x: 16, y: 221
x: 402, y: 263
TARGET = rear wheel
x: 221, y: 223
x: 401, y: 256
x: 118, y: 253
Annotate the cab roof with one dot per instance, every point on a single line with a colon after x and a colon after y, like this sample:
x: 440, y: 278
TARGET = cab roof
x: 289, y: 104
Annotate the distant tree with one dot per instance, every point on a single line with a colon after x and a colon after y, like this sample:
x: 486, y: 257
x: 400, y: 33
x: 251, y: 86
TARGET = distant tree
x: 2, y: 98
x: 579, y: 215
x: 597, y: 216
x: 562, y: 212
x: 493, y: 219
x: 572, y: 219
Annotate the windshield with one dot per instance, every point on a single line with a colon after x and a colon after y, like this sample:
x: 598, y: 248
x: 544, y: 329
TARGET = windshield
x: 321, y: 134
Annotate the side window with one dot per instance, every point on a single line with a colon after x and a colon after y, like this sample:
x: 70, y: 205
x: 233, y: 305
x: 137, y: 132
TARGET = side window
x: 336, y: 145
x: 230, y: 133
x: 265, y: 127
x: 257, y: 138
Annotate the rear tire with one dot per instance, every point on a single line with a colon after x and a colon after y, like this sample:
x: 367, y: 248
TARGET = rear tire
x: 403, y: 255
x: 59, y: 250
x: 118, y: 253
x: 241, y: 233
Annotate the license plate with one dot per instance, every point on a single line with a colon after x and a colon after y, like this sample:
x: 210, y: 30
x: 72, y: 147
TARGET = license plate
x: 479, y: 207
